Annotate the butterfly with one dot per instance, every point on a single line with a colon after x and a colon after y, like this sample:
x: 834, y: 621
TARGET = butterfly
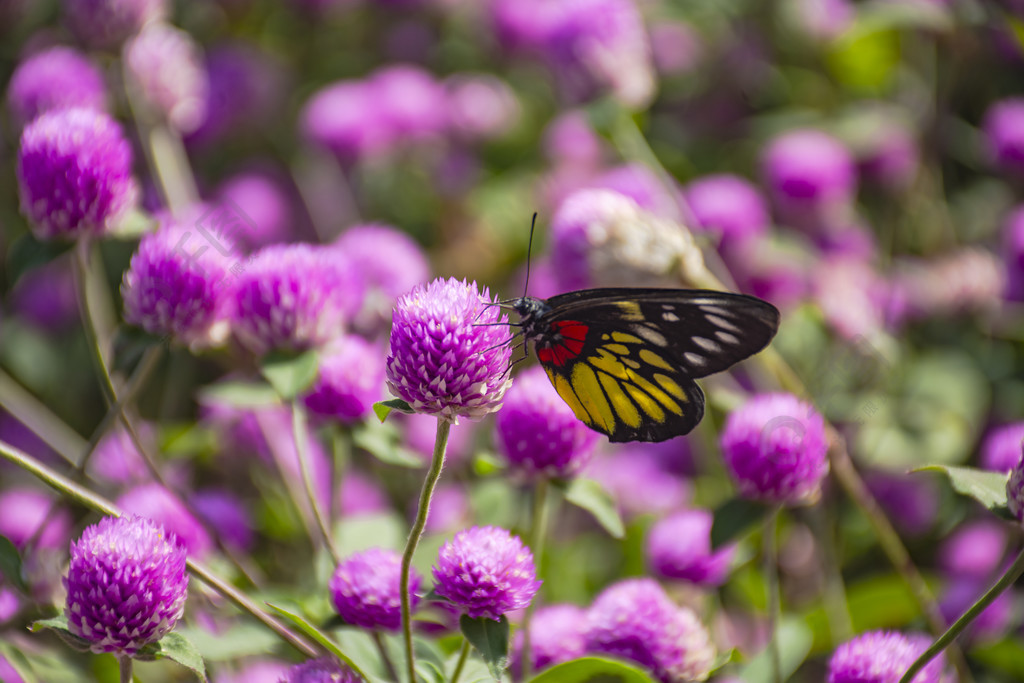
x: 625, y: 359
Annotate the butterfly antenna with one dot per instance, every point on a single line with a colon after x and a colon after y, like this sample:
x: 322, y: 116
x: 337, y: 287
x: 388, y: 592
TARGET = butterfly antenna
x: 529, y: 252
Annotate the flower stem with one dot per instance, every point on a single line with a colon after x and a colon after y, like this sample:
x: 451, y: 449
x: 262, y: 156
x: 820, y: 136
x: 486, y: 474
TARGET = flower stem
x: 32, y: 413
x: 433, y: 474
x: 538, y: 533
x: 124, y: 665
x: 771, y: 573
x: 299, y: 433
x: 943, y: 641
x: 384, y: 656
x: 461, y: 664
x: 82, y: 495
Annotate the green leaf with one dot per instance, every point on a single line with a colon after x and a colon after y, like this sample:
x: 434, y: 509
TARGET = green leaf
x: 383, y: 408
x: 10, y: 564
x: 381, y: 530
x: 28, y: 253
x: 490, y: 638
x: 59, y: 625
x: 383, y: 441
x: 988, y: 488
x: 241, y: 640
x: 735, y: 518
x: 485, y: 463
x: 592, y: 497
x: 317, y: 635
x: 289, y: 373
x: 177, y: 648
x: 1005, y: 655
x: 133, y: 226
x: 593, y: 670
x: 241, y: 394
x: 794, y: 642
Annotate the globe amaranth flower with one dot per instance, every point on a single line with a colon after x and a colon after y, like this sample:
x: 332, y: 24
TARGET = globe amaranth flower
x: 359, y: 494
x: 1002, y: 448
x: 57, y: 78
x: 342, y: 117
x: 225, y: 512
x: 638, y: 182
x: 267, y: 207
x: 45, y: 297
x: 156, y: 503
x: 556, y: 636
x: 1004, y: 138
x: 178, y: 285
x: 294, y: 297
x: 165, y: 65
x: 1015, y: 490
x: 74, y: 173
x: 963, y: 280
x: 679, y: 547
x: 634, y: 619
x: 482, y: 106
x: 116, y: 459
x: 486, y: 572
x: 728, y: 206
x: 126, y: 584
x: 602, y: 237
x: 419, y: 432
x: 538, y: 433
x: 880, y: 657
x: 350, y: 380
x: 639, y: 481
x: 28, y: 515
x: 256, y: 671
x: 449, y: 509
x: 974, y: 550
x: 570, y: 140
x: 411, y: 101
x: 775, y: 449
x: 447, y: 357
x: 105, y: 24
x: 912, y: 503
x: 365, y: 589
x: 676, y: 47
x: 322, y: 670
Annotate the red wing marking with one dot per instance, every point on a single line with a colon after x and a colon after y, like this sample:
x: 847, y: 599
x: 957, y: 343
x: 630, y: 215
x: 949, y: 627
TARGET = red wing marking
x: 573, y: 333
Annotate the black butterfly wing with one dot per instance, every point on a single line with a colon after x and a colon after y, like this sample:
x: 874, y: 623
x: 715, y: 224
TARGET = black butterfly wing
x: 628, y: 357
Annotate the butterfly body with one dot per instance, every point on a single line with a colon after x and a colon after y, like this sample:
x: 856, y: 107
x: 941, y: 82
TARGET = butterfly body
x: 625, y: 359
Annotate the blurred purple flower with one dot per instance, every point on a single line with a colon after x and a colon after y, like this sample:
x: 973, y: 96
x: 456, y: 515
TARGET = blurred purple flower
x: 524, y: 25
x: 45, y: 297
x: 960, y: 281
x: 1013, y: 253
x: 642, y: 185
x: 974, y: 550
x: 679, y: 547
x: 879, y: 657
x: 359, y: 494
x: 23, y: 511
x: 442, y: 361
x: 556, y: 636
x: 890, y: 157
x: 322, y: 670
x: 126, y: 584
x: 295, y: 296
x: 116, y: 460
x: 569, y: 139
x: 537, y: 431
x: 1003, y: 447
x: 105, y: 24
x: 486, y: 571
x: 10, y: 605
x: 74, y: 174
x: 912, y: 503
x: 225, y: 513
x: 775, y: 448
x: 482, y: 106
x: 727, y: 206
x: 275, y: 426
x: 365, y: 589
x: 639, y: 482
x: 1003, y: 128
x: 177, y: 285
x: 823, y: 20
x: 994, y: 620
x: 676, y: 47
x: 420, y: 430
x: 449, y: 509
x: 350, y: 380
x: 410, y: 100
x: 851, y: 295
x: 256, y: 671
x: 265, y: 203
x: 773, y: 267
x: 344, y: 118
x: 634, y: 619
x: 165, y: 65
x: 56, y: 78
x: 156, y: 503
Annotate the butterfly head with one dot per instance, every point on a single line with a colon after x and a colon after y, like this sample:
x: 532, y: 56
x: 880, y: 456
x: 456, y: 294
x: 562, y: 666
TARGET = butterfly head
x: 530, y: 310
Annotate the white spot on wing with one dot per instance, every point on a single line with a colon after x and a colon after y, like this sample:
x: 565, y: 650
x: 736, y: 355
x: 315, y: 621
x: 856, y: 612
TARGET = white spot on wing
x: 716, y: 310
x: 727, y: 337
x: 653, y: 336
x: 694, y: 359
x: 670, y: 317
x: 707, y: 344
x: 719, y: 321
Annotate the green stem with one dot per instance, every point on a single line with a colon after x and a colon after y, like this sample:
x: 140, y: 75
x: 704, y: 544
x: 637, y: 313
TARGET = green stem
x: 124, y: 666
x: 384, y: 657
x: 433, y: 474
x: 943, y: 641
x: 80, y: 494
x: 32, y: 413
x: 538, y: 533
x: 299, y: 433
x: 461, y: 664
x: 771, y: 573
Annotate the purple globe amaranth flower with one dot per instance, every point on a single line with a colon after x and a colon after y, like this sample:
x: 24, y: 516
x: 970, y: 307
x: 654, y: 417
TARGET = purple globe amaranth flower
x: 774, y: 267
x: 676, y: 47
x: 225, y: 512
x: 411, y: 101
x: 639, y: 183
x: 105, y: 24
x: 419, y: 432
x: 1013, y: 253
x: 601, y: 237
x: 556, y: 636
x: 524, y: 25
x: 365, y: 589
x: 177, y: 285
x: 57, y: 78
x: 295, y: 297
x: 679, y: 547
x: 964, y: 280
x: 267, y: 207
x: 447, y: 357
x: 165, y: 65
x: 154, y: 502
x: 879, y: 657
x: 634, y: 619
x: 1003, y: 128
x: 993, y: 621
x: 974, y: 550
x: 350, y: 380
x: 126, y: 584
x: 482, y: 106
x: 29, y: 515
x: 1015, y: 490
x: 570, y: 140
x: 323, y: 670
x: 775, y: 449
x: 343, y: 118
x: 486, y: 572
x: 1002, y: 448
x: 851, y: 295
x: 46, y: 298
x: 887, y: 150
x: 74, y: 174
x: 256, y: 671
x: 449, y: 509
x: 537, y: 431
x: 811, y: 177
x: 359, y: 494
x: 639, y: 481
x: 117, y: 460
x: 912, y: 503
x: 728, y: 206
